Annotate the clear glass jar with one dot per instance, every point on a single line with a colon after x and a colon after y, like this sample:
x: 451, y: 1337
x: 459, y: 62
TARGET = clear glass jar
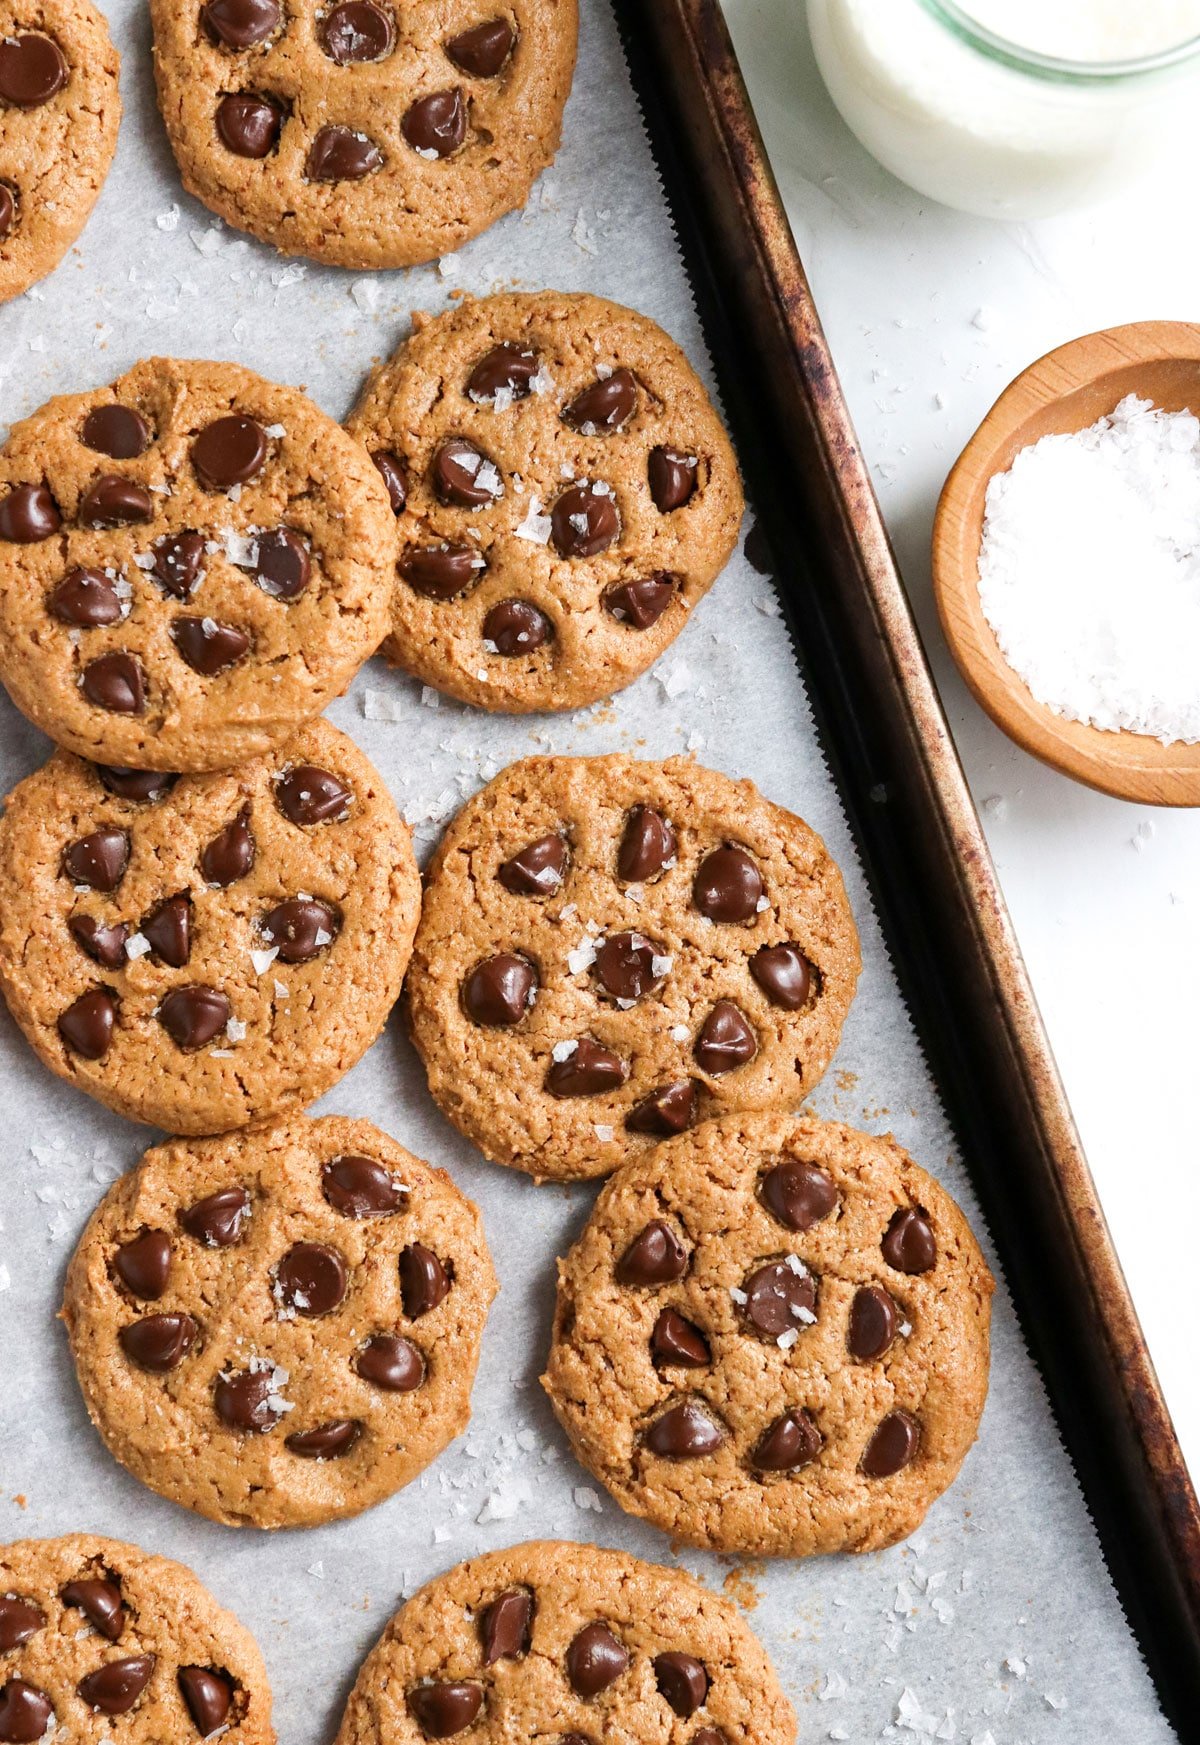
x: 982, y: 124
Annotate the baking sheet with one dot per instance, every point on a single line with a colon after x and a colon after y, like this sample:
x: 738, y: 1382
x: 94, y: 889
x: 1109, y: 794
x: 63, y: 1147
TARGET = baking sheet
x: 997, y: 1622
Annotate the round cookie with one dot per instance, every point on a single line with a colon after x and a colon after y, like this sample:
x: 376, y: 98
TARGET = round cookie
x: 366, y: 133
x: 565, y: 491
x: 567, y: 1644
x: 205, y: 951
x: 59, y: 112
x: 280, y: 1327
x: 772, y: 1338
x: 610, y: 951
x: 193, y: 563
x: 103, y: 1643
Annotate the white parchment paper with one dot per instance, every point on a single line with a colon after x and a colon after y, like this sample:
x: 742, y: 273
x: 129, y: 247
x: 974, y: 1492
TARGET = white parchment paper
x: 997, y: 1623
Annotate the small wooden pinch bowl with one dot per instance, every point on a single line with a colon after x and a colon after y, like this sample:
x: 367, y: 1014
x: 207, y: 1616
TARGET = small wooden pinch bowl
x: 1066, y: 391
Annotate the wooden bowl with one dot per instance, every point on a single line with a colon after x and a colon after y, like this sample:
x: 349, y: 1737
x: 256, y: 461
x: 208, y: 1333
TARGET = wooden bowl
x: 1065, y: 391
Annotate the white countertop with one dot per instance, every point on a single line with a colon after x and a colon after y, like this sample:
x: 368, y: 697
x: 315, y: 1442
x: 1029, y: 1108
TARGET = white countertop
x: 920, y: 302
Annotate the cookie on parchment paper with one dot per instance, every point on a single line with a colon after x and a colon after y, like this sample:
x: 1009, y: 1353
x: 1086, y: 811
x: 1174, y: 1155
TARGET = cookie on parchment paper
x: 565, y: 495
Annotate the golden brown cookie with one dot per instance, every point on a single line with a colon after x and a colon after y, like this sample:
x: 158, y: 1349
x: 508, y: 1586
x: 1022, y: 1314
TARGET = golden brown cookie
x: 565, y: 491
x: 610, y: 951
x: 193, y: 563
x: 101, y: 1642
x: 205, y: 951
x: 363, y: 133
x: 59, y: 113
x: 772, y: 1337
x: 567, y: 1644
x: 280, y: 1327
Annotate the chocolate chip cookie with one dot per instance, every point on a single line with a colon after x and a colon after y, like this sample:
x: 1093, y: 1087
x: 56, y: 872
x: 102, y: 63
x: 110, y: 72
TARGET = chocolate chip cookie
x: 364, y: 133
x: 59, y: 113
x: 193, y: 563
x: 567, y: 1643
x: 610, y: 951
x: 772, y: 1337
x: 101, y: 1642
x: 280, y: 1327
x: 565, y: 494
x: 205, y: 951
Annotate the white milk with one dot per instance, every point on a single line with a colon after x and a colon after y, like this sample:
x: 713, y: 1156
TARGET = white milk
x: 1090, y: 30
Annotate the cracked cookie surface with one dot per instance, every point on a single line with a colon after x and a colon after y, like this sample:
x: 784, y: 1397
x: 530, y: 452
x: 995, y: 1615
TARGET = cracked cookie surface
x: 772, y: 1338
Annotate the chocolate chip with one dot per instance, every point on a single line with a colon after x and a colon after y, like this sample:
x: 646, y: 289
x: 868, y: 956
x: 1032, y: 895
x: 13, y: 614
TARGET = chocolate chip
x: 892, y: 1446
x: 394, y: 474
x: 506, y: 369
x: 229, y: 451
x: 25, y: 1712
x: 207, y: 1695
x: 230, y: 854
x: 672, y: 478
x: 641, y: 603
x: 798, y: 1194
x: 88, y: 1022
x: 143, y: 1264
x: 308, y: 795
x: 666, y: 1111
x: 517, y: 627
x: 217, y: 1219
x: 656, y: 1256
x: 536, y: 870
x: 114, y: 682
x: 683, y: 1681
x: 391, y: 1363
x: 32, y: 70
x: 300, y: 929
x: 19, y: 1620
x: 117, y: 431
x: 584, y: 520
x: 505, y: 1625
x: 684, y: 1432
x: 104, y: 945
x: 114, y: 1687
x: 240, y: 24
x: 595, y: 1659
x: 100, y: 1602
x: 482, y: 50
x: 908, y: 1243
x: 98, y: 859
x: 114, y: 501
x: 359, y: 1187
x: 159, y: 1342
x: 441, y: 571
x: 28, y: 514
x: 144, y: 787
x: 436, y: 125
x: 589, y: 1070
x: 85, y: 599
x: 209, y: 647
x: 624, y: 966
x: 873, y: 1323
x: 325, y: 1441
x: 499, y: 990
x: 728, y: 885
x: 678, y: 1343
x: 726, y: 1040
x: 605, y: 405
x: 424, y: 1281
x: 358, y: 30
x: 341, y: 154
x: 778, y: 1298
x: 790, y: 1442
x: 249, y: 125
x: 169, y: 930
x: 311, y: 1278
x: 282, y: 566
x: 648, y: 846
x: 8, y: 209
x: 442, y: 1709
x: 248, y: 1400
x: 178, y: 560
x: 192, y: 1016
x: 463, y: 477
x: 785, y: 975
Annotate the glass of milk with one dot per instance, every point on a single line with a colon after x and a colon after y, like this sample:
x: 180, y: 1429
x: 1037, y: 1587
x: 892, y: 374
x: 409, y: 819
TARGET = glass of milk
x: 1014, y: 108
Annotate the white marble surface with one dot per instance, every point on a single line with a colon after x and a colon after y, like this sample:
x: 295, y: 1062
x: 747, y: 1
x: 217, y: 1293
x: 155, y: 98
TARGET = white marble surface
x: 929, y: 315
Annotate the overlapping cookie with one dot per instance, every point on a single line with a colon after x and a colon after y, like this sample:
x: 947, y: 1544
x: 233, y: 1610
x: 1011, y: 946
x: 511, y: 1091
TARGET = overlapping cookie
x: 610, y: 951
x: 279, y: 1327
x: 103, y: 1643
x: 364, y: 133
x: 60, y: 108
x: 193, y: 563
x: 772, y: 1337
x: 565, y: 494
x: 551, y: 1641
x: 205, y: 951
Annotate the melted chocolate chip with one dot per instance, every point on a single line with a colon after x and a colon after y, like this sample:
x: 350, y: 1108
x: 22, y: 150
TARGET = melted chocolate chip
x: 424, y: 1281
x: 194, y: 1015
x: 908, y: 1243
x: 482, y: 51
x: 117, y: 431
x: 584, y: 520
x: 207, y: 1696
x: 28, y: 514
x: 506, y: 369
x: 642, y: 603
x: 790, y: 1442
x: 670, y: 1109
x: 463, y: 477
x: 605, y: 405
x: 104, y: 945
x: 87, y: 1024
x: 394, y: 474
x: 443, y: 1709
x: 798, y: 1194
x: 249, y: 125
x: 248, y: 1400
x: 677, y: 1343
x: 873, y: 1323
x: 115, y: 1687
x: 229, y: 451
x: 683, y: 1681
x: 308, y: 795
x: 892, y: 1447
x: 588, y: 1071
x: 341, y: 154
x: 596, y: 1658
x: 230, y: 854
x: 505, y: 1626
x: 726, y: 1040
x: 357, y: 30
x: 143, y: 786
x: 391, y: 1363
x: 169, y: 930
x: 143, y: 1264
x: 778, y: 1299
x: 159, y: 1342
x: 114, y: 501
x: 785, y: 976
x: 178, y: 561
x: 686, y: 1431
x: 499, y: 990
x: 536, y: 870
x: 240, y: 24
x: 624, y: 966
x: 439, y: 572
x: 19, y: 1620
x: 436, y: 125
x: 85, y: 599
x: 97, y: 860
x: 672, y: 478
x: 648, y: 846
x: 300, y: 929
x: 359, y: 1187
x: 217, y: 1219
x: 100, y: 1602
x: 114, y: 682
x: 311, y: 1279
x: 282, y: 565
x: 8, y: 209
x: 32, y: 70
x: 209, y: 647
x: 517, y: 627
x: 656, y: 1256
x: 25, y: 1712
x: 325, y: 1441
x: 728, y: 885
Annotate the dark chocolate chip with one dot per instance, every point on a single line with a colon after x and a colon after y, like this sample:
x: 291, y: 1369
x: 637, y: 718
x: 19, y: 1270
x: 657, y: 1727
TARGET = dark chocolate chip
x: 282, y: 565
x: 506, y: 369
x: 229, y: 451
x: 798, y: 1194
x: 677, y: 1343
x: 686, y: 1431
x: 159, y: 1342
x: 325, y: 1441
x: 670, y: 1109
x: 505, y: 1626
x: 209, y: 647
x: 482, y: 51
x: 778, y: 1299
x: 892, y: 1446
x: 114, y: 501
x: 308, y: 795
x: 537, y: 869
x: 728, y: 885
x: 463, y: 477
x: 19, y: 1620
x: 596, y: 1658
x: 517, y: 627
x: 25, y: 1712
x: 391, y: 1363
x: 240, y: 24
x: 230, y: 854
x: 726, y: 1040
x: 115, y: 1687
x: 341, y: 154
x: 648, y: 846
x: 114, y: 682
x: 442, y: 1709
x: 88, y: 1022
x: 908, y: 1243
x: 207, y: 1695
x: 178, y: 561
x: 589, y: 1070
x: 169, y: 930
x: 311, y: 1278
x: 249, y: 124
x: 28, y: 514
x: 790, y: 1442
x: 360, y: 1187
x: 8, y: 209
x: 85, y: 599
x: 424, y: 1281
x: 104, y: 945
x: 117, y: 431
x: 624, y: 966
x: 194, y: 1015
x: 97, y: 860
x: 785, y: 976
x: 672, y: 478
x: 217, y: 1219
x: 656, y: 1256
x: 436, y: 125
x: 145, y: 787
x: 32, y: 70
x: 394, y: 474
x: 873, y: 1323
x: 100, y: 1602
x: 584, y: 520
x: 358, y: 30
x: 500, y: 990
x: 605, y: 405
x: 143, y: 1264
x: 441, y: 571
x: 301, y: 929
x: 642, y: 603
x: 683, y: 1681
x: 248, y: 1400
